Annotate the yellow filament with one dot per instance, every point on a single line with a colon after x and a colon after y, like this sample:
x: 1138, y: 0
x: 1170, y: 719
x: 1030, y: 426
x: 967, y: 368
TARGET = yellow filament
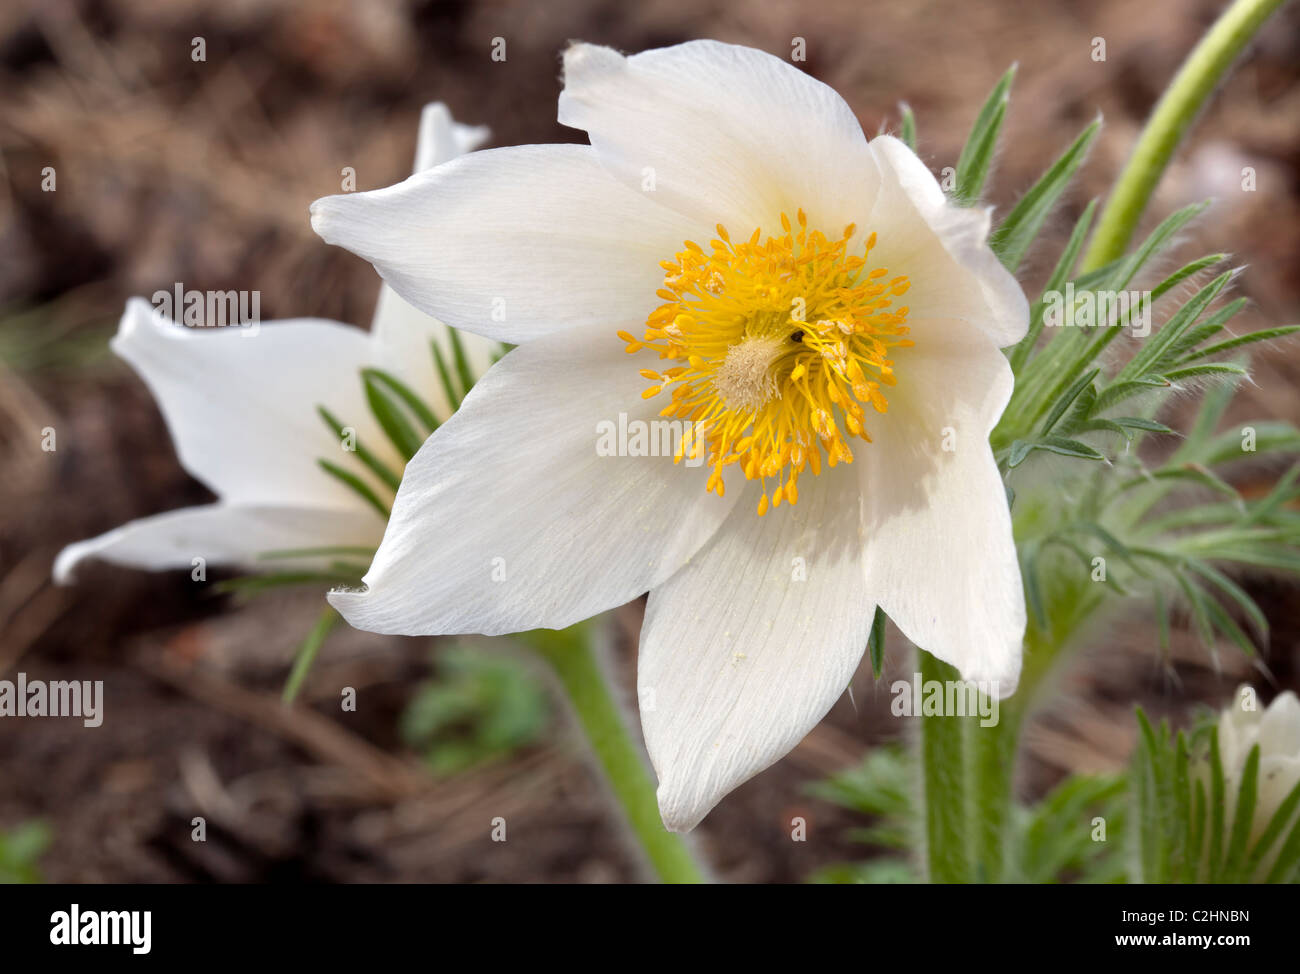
x: 777, y: 345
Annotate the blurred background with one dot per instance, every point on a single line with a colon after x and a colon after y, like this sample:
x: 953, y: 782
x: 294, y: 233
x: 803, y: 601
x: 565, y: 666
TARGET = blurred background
x: 172, y: 171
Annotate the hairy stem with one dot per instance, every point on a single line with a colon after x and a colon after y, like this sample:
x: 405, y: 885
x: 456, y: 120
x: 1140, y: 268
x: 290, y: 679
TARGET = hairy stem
x: 1204, y: 68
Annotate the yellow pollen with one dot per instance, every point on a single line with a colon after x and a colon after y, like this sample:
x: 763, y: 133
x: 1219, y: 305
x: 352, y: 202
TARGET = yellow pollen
x: 772, y: 349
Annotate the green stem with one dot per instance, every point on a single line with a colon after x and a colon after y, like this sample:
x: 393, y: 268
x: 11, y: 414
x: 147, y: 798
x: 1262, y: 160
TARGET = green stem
x: 992, y: 762
x: 574, y: 661
x: 1173, y: 116
x: 307, y: 653
x: 944, y: 781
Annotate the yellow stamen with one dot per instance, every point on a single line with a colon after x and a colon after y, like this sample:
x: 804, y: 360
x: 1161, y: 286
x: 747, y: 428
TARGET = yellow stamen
x: 778, y: 346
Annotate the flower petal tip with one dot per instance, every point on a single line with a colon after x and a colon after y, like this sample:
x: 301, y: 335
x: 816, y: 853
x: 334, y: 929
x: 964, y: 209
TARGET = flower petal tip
x: 677, y: 813
x: 350, y: 603
x: 66, y: 562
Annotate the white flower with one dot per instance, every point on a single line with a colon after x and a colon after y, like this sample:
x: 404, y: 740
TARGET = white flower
x: 240, y: 405
x: 846, y: 286
x: 1277, y: 732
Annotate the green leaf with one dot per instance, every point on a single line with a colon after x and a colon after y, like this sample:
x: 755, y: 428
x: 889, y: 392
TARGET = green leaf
x: 1196, y: 474
x: 1216, y: 807
x: 1053, y: 444
x: 876, y: 643
x: 1198, y: 371
x: 1162, y: 620
x: 384, y: 404
x: 1207, y: 329
x: 1198, y: 603
x: 1234, y: 592
x: 380, y: 469
x: 1228, y: 626
x: 1138, y: 423
x: 1283, y: 492
x: 362, y: 489
x: 1146, y: 764
x: 1284, y: 868
x: 403, y: 392
x: 1114, y: 394
x: 977, y: 156
x: 462, y: 363
x: 1243, y: 818
x: 1067, y: 400
x: 1064, y: 266
x: 1198, y: 832
x: 907, y: 129
x: 1184, y: 272
x: 1181, y: 826
x: 1264, y: 335
x: 1117, y: 275
x: 1275, y: 826
x: 450, y: 388
x: 307, y: 653
x: 1151, y: 354
x: 1017, y: 232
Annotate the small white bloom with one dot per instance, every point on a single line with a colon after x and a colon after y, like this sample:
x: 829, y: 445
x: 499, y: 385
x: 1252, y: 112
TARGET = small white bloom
x: 241, y: 410
x: 1276, y: 730
x: 810, y: 302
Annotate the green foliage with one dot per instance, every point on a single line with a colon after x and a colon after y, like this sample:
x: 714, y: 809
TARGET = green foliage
x: 1055, y: 841
x: 977, y: 156
x: 20, y: 851
x: 53, y: 337
x: 907, y: 127
x: 1195, y: 823
x: 1013, y: 236
x: 1089, y: 461
x: 1074, y: 834
x: 876, y: 643
x: 480, y: 708
x: 405, y: 418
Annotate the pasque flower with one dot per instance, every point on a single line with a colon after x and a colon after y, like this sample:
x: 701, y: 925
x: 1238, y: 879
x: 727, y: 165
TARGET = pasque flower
x: 731, y: 254
x: 1276, y: 730
x: 241, y: 407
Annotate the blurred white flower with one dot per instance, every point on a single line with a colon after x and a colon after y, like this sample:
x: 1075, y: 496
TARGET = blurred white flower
x: 1277, y: 732
x: 241, y: 407
x: 793, y: 290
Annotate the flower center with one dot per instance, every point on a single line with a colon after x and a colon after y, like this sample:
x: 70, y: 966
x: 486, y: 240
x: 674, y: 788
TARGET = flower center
x: 780, y: 344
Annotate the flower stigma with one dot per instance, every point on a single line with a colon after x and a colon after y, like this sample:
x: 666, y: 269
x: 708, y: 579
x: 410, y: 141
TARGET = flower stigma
x: 779, y: 345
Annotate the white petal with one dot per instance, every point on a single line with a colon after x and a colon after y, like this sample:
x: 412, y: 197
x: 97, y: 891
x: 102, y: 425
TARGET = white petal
x: 942, y: 249
x: 441, y: 138
x: 740, y: 658
x: 1279, y: 729
x: 1238, y: 729
x: 730, y: 134
x: 941, y: 560
x: 512, y: 243
x: 508, y: 519
x: 222, y: 535
x: 240, y: 403
x: 403, y: 335
x: 1278, y: 774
